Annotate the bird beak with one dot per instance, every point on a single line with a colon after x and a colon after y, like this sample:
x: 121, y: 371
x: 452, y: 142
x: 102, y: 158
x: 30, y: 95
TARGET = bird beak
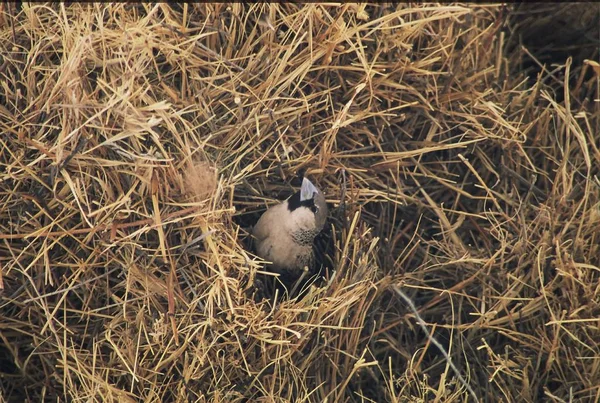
x: 308, y: 190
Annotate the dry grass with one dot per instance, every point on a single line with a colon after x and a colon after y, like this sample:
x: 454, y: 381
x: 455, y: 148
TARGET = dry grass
x: 139, y: 142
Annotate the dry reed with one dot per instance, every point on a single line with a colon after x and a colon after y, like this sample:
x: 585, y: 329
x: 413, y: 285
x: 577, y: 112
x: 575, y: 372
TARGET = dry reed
x: 140, y: 142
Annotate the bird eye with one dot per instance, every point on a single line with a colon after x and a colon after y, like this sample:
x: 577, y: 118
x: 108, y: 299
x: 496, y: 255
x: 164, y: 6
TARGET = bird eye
x: 314, y: 209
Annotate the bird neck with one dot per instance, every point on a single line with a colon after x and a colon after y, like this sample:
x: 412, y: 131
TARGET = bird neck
x: 304, y: 237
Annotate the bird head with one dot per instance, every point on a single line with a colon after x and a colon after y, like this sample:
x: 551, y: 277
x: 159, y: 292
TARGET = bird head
x: 308, y: 207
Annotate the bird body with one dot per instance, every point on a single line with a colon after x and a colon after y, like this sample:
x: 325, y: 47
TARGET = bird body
x: 285, y: 233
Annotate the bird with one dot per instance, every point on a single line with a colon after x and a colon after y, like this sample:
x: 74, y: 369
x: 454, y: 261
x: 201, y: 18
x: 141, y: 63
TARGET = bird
x: 285, y: 233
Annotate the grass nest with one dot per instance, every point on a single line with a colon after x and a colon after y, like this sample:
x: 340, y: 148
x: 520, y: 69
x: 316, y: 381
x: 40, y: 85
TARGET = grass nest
x: 460, y: 155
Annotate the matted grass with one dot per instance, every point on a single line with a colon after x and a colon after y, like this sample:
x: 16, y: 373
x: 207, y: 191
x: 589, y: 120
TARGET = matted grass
x: 139, y: 143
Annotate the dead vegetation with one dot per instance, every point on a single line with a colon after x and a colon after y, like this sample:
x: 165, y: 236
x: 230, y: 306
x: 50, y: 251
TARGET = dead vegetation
x: 139, y: 142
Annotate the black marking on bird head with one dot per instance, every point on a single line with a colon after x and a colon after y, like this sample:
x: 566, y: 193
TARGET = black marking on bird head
x: 294, y: 203
x: 305, y: 197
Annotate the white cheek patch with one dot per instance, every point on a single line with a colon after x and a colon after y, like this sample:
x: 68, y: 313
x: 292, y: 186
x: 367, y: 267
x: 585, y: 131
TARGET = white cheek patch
x: 308, y: 190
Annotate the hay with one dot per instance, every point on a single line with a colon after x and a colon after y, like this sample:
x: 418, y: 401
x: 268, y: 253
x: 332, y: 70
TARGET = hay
x: 140, y: 142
